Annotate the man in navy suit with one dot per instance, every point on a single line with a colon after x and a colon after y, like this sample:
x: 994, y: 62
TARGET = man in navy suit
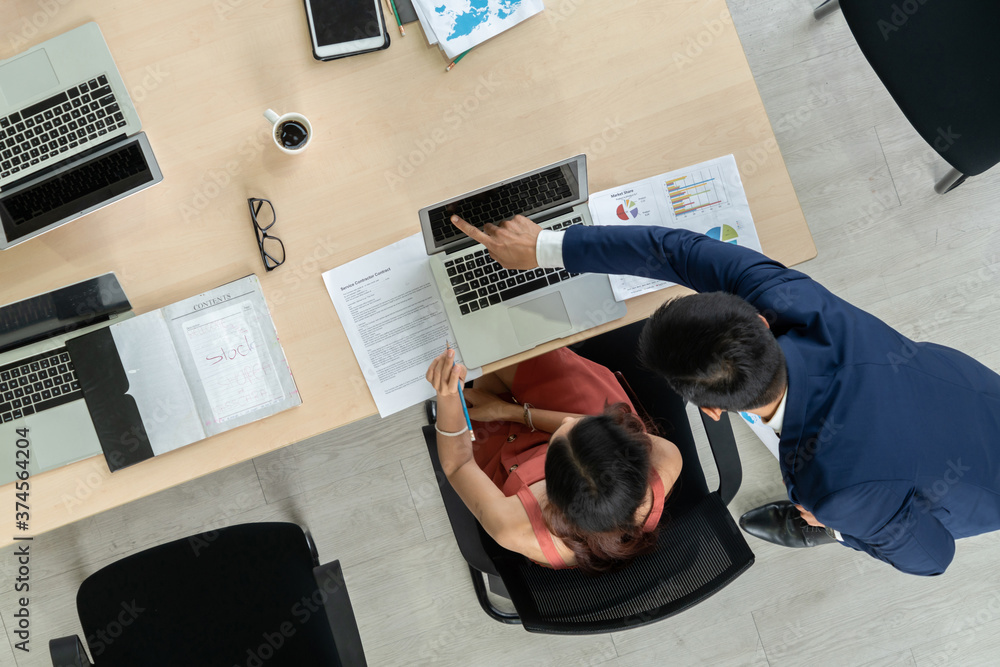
x: 890, y: 446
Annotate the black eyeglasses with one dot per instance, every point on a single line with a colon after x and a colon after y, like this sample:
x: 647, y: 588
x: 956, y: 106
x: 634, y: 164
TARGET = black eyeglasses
x: 272, y: 250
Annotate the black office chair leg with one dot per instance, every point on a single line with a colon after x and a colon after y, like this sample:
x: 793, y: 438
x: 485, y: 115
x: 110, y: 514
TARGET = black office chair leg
x: 951, y: 180
x: 828, y: 7
x: 482, y: 594
x: 68, y: 652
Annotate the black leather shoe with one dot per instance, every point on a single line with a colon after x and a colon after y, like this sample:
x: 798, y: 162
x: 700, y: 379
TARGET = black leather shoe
x: 780, y: 522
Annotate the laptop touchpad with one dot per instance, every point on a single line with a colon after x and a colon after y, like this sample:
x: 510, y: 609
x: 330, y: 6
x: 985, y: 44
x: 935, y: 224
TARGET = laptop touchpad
x: 27, y: 77
x: 540, y: 319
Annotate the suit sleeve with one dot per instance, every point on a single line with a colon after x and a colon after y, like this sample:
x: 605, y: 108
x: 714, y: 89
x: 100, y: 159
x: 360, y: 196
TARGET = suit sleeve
x: 912, y: 539
x: 677, y: 255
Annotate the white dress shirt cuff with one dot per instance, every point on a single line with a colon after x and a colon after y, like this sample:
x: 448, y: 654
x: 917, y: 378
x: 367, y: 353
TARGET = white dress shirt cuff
x: 836, y: 533
x: 548, y: 249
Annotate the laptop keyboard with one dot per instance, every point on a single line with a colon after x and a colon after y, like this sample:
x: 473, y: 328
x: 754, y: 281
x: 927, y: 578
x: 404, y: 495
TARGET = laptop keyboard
x: 532, y: 193
x: 68, y: 187
x: 37, y: 383
x: 43, y: 131
x: 480, y: 282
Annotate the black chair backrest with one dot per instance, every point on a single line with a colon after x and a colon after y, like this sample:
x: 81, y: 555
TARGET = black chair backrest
x: 699, y: 550
x: 227, y: 597
x: 938, y: 61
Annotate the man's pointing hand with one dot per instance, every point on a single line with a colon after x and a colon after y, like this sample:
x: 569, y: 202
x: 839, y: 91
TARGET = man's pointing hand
x: 512, y: 242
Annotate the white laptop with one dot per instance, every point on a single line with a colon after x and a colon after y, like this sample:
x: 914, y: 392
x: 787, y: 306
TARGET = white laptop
x: 40, y: 393
x: 69, y: 135
x: 496, y: 312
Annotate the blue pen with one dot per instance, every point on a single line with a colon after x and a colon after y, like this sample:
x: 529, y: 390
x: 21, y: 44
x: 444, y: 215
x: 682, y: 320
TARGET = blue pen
x: 461, y: 397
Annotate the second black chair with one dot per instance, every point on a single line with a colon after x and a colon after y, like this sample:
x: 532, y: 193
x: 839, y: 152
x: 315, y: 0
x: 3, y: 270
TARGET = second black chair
x: 939, y: 62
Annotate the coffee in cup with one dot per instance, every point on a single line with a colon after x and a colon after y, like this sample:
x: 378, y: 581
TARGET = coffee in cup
x: 292, y: 132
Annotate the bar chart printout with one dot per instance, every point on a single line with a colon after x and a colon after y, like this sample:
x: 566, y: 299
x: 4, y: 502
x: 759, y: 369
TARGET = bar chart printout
x: 701, y: 191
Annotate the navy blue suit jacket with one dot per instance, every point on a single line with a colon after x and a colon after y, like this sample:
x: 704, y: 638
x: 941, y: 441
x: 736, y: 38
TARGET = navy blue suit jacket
x: 894, y: 443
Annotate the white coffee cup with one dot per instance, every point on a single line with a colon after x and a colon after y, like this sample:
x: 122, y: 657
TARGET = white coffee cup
x: 291, y: 132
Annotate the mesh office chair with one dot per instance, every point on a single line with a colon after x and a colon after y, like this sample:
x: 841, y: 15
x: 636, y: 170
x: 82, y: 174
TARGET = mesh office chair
x: 252, y: 594
x: 700, y: 550
x: 939, y: 62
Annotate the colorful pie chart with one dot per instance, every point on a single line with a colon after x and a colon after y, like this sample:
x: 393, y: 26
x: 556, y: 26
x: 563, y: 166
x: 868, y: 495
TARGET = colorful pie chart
x: 724, y: 233
x: 627, y: 208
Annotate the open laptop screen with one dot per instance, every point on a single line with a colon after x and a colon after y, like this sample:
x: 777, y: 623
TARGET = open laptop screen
x: 83, y: 184
x: 61, y: 311
x: 550, y: 188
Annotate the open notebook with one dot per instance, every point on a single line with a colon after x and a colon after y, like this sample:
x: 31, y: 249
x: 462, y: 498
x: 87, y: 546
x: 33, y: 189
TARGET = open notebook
x: 183, y: 373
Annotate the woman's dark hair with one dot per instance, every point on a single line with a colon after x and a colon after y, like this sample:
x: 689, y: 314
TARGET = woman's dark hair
x: 595, y: 479
x: 715, y: 352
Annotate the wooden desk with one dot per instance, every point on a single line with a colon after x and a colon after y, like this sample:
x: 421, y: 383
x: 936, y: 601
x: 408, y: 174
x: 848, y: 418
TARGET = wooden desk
x: 641, y: 87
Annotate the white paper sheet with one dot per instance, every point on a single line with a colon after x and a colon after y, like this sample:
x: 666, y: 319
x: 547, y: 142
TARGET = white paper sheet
x: 234, y: 366
x: 424, y: 23
x: 707, y: 198
x: 459, y: 25
x: 392, y: 313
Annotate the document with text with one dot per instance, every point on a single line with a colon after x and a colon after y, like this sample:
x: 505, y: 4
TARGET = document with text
x: 392, y: 313
x: 707, y: 198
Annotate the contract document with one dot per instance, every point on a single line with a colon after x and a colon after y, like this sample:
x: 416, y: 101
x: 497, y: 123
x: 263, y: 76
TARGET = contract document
x: 391, y: 310
x: 707, y: 198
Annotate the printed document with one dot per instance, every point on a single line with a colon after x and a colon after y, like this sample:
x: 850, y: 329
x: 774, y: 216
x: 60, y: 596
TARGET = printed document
x: 707, y: 198
x: 458, y: 25
x: 392, y: 313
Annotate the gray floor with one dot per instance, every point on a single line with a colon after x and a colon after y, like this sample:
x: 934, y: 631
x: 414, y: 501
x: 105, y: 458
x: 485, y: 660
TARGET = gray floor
x: 926, y: 264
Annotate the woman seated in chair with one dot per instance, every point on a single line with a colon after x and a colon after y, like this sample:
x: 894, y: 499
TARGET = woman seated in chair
x: 561, y: 470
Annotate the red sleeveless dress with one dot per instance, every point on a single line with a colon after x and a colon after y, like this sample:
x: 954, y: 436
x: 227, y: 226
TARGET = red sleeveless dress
x: 514, y: 457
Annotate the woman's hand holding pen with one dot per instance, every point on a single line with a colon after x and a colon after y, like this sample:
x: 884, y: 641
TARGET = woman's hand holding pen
x: 444, y: 374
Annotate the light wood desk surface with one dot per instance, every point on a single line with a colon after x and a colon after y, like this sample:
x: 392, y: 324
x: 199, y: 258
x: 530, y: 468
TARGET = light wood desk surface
x: 642, y: 87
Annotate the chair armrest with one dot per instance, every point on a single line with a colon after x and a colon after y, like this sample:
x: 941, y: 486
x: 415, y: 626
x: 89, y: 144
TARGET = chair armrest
x: 463, y: 522
x: 727, y: 457
x: 340, y: 613
x: 68, y: 652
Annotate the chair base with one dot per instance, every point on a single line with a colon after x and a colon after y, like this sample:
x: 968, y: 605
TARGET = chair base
x: 951, y: 180
x: 828, y: 7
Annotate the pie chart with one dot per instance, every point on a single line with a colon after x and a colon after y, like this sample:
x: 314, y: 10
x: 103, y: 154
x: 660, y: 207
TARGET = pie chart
x: 627, y: 208
x: 723, y: 233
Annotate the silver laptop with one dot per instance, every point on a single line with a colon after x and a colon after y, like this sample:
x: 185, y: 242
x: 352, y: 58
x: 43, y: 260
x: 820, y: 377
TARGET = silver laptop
x: 496, y: 312
x: 40, y: 394
x: 69, y: 135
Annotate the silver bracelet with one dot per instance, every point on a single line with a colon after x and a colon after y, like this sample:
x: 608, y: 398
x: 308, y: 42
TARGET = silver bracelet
x: 451, y: 433
x: 527, y: 417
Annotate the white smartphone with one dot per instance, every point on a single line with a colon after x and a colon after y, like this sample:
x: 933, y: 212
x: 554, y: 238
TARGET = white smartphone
x: 344, y: 27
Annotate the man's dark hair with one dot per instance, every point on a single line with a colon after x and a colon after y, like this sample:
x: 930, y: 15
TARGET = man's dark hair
x: 715, y: 352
